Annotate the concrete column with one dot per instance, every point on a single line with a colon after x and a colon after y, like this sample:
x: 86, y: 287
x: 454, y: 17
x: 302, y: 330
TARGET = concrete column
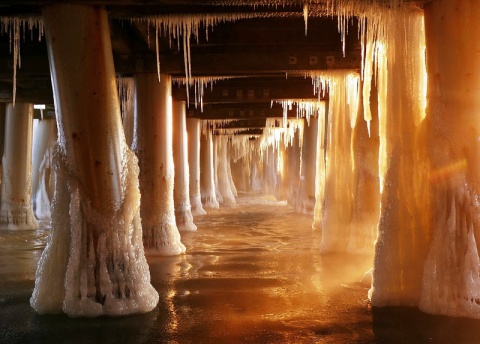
x: 44, y: 139
x: 218, y: 194
x: 306, y: 195
x: 16, y: 212
x: 223, y: 163
x: 94, y: 262
x: 230, y: 176
x: 403, y: 229
x: 2, y: 134
x: 451, y: 280
x: 193, y: 130
x: 181, y: 194
x: 366, y: 182
x: 207, y: 178
x: 320, y: 169
x: 153, y: 146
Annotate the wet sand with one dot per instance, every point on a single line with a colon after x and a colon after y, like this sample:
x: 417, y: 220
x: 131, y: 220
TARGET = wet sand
x: 252, y: 274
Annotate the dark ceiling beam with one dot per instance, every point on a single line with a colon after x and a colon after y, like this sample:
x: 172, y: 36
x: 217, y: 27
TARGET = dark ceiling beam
x: 250, y: 90
x: 247, y: 111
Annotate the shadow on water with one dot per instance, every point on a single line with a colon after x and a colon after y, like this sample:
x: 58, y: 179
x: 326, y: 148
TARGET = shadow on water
x: 410, y: 325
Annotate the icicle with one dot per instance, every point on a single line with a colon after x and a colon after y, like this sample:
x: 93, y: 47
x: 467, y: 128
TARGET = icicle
x: 13, y: 26
x: 305, y: 17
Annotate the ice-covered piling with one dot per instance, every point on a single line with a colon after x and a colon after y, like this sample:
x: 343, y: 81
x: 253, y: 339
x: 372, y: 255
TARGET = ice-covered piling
x: 451, y: 275
x: 193, y: 130
x: 16, y: 212
x: 153, y: 146
x: 94, y: 262
x: 207, y: 178
x: 44, y: 140
x: 224, y: 173
x: 181, y: 194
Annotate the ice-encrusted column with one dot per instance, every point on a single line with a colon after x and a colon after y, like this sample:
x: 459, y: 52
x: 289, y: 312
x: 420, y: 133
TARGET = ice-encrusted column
x: 293, y: 167
x: 451, y: 275
x: 16, y: 212
x: 207, y: 178
x: 320, y: 169
x: 305, y: 203
x: 153, y: 146
x: 224, y: 177
x: 181, y: 195
x: 365, y: 188
x: 216, y: 142
x: 403, y: 234
x: 44, y: 140
x: 94, y: 262
x: 193, y: 130
x: 338, y: 184
x: 2, y: 134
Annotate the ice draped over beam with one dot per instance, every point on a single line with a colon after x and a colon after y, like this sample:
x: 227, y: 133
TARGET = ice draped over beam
x: 94, y: 261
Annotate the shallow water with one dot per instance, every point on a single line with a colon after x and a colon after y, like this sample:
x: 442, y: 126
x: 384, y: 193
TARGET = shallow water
x: 252, y: 274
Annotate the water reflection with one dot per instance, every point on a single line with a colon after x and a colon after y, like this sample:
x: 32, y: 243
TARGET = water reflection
x: 252, y: 274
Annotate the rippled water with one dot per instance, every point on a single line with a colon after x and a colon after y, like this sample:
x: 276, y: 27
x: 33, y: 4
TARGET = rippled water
x: 252, y: 274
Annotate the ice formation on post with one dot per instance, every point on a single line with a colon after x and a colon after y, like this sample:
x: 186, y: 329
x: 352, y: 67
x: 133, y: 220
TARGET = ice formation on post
x: 181, y: 195
x: 403, y: 237
x: 126, y: 89
x: 342, y: 112
x: 218, y: 194
x: 94, y: 262
x: 193, y: 130
x: 320, y: 169
x: 451, y: 276
x: 223, y: 163
x: 16, y: 212
x: 153, y: 145
x: 365, y: 187
x: 207, y: 178
x: 44, y: 140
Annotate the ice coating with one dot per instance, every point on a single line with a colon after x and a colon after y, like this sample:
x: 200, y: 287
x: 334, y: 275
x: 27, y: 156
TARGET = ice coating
x: 451, y: 276
x: 207, y: 178
x: 119, y: 283
x: 44, y: 140
x: 126, y: 88
x: 16, y: 212
x: 94, y: 261
x: 337, y: 209
x: 224, y: 176
x: 193, y: 131
x: 403, y: 226
x: 153, y: 146
x: 366, y: 188
x: 218, y: 194
x: 320, y: 169
x: 181, y: 194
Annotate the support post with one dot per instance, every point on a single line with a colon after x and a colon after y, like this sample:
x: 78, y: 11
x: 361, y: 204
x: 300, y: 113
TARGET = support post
x: 193, y: 130
x: 207, y: 181
x: 153, y: 146
x: 181, y: 194
x: 94, y: 262
x: 16, y: 212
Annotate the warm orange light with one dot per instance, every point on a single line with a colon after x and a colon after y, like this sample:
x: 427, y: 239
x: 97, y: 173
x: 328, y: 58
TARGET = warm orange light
x: 448, y: 171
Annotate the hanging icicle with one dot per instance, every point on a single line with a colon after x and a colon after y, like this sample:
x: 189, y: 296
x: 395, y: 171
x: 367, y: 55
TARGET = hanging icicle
x: 13, y: 26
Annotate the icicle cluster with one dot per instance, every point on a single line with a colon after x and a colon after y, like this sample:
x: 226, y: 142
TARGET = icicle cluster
x: 199, y: 84
x: 304, y: 107
x: 16, y: 27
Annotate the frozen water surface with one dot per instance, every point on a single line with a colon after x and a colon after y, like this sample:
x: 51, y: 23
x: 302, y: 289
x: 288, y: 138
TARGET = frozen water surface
x: 253, y: 273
